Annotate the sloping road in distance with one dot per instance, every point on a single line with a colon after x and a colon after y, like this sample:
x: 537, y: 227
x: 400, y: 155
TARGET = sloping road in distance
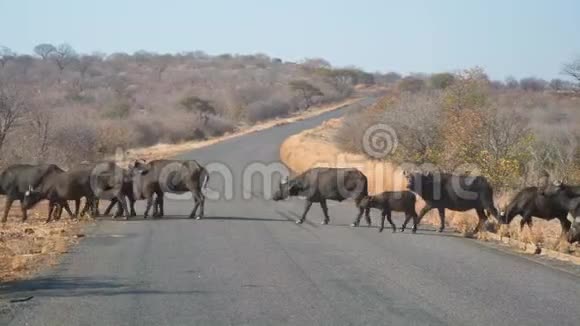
x: 249, y: 263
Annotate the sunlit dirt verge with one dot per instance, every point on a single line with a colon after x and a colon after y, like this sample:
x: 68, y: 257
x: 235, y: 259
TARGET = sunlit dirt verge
x: 26, y: 248
x: 315, y: 148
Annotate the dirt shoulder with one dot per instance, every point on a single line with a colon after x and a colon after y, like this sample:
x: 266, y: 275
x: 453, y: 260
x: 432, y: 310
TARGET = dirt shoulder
x: 316, y: 148
x: 28, y: 247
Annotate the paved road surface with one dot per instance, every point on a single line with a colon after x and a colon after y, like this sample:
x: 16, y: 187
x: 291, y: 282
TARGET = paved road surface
x: 248, y: 263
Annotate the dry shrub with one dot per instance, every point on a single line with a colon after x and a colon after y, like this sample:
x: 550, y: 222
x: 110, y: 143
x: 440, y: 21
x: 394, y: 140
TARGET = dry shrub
x: 267, y: 109
x: 507, y: 136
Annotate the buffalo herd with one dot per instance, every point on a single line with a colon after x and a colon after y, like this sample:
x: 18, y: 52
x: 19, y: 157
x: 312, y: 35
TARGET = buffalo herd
x: 149, y: 181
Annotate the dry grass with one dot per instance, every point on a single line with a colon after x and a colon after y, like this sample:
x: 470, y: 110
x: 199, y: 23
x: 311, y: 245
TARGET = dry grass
x: 25, y: 248
x: 315, y: 147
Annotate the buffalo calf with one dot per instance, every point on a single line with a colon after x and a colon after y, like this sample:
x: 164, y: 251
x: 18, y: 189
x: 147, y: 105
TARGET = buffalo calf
x: 389, y: 201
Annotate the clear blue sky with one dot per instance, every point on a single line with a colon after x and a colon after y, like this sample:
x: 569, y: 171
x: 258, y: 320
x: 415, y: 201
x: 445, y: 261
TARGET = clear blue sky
x: 510, y: 37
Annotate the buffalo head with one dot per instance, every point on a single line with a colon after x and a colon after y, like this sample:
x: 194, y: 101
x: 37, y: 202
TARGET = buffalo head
x: 31, y: 197
x: 419, y: 182
x: 366, y: 202
x: 288, y: 188
x: 504, y: 218
x: 552, y: 189
x: 139, y: 167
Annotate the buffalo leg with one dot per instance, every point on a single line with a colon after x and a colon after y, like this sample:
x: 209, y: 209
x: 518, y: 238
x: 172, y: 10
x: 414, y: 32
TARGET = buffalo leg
x: 201, y: 204
x: 383, y: 215
x: 368, y: 216
x: 526, y: 220
x: 325, y: 212
x: 24, y: 212
x: 50, y: 211
x: 361, y: 211
x: 408, y: 217
x: 7, y: 206
x: 95, y: 207
x: 120, y: 207
x: 112, y: 204
x: 482, y: 218
x: 387, y: 213
x: 306, y: 209
x: 566, y: 224
x: 195, y: 207
x: 132, y: 207
x: 159, y: 203
x: 67, y: 208
x: 422, y: 213
x: 156, y: 206
x: 77, y: 207
x: 148, y: 206
x: 441, y: 219
x: 59, y: 210
x: 121, y: 199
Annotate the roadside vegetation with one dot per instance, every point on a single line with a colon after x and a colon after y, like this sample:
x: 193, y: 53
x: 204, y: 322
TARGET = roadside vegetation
x: 515, y: 133
x: 62, y: 107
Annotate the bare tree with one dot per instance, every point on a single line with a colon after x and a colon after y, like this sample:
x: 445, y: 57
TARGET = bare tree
x: 41, y: 121
x: 392, y: 77
x: 307, y: 90
x: 85, y: 62
x: 63, y: 56
x: 161, y: 63
x: 5, y: 55
x: 11, y: 112
x: 557, y: 84
x: 44, y: 50
x: 341, y: 80
x: 504, y: 129
x: 316, y: 63
x: 572, y: 69
x: 511, y: 82
x: 533, y: 84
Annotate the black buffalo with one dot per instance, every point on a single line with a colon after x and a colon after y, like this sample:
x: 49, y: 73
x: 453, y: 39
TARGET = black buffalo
x: 127, y: 191
x: 567, y: 198
x: 126, y: 188
x: 17, y: 180
x: 92, y: 182
x: 454, y: 192
x: 389, y: 201
x: 318, y: 185
x: 530, y: 202
x: 173, y: 176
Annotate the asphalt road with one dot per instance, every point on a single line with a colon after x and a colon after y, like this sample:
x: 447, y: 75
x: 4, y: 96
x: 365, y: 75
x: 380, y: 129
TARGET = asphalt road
x: 249, y: 263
